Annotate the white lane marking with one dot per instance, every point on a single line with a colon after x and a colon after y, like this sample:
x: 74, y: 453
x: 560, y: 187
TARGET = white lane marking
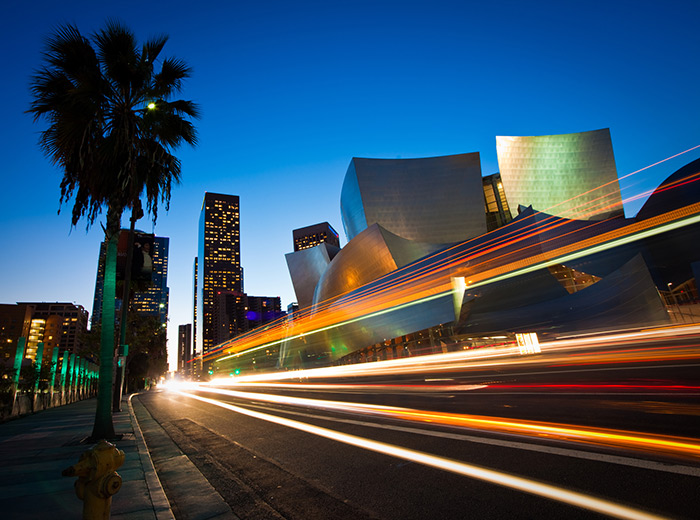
x: 495, y: 477
x: 566, y: 452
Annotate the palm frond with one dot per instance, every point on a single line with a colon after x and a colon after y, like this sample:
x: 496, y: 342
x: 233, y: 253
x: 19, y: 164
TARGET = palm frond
x: 153, y: 47
x: 111, y: 149
x: 169, y: 80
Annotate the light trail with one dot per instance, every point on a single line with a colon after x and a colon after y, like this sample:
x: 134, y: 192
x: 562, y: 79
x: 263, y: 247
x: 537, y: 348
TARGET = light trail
x: 499, y: 478
x: 502, y: 356
x: 668, y: 445
x: 480, y: 265
x: 439, y: 283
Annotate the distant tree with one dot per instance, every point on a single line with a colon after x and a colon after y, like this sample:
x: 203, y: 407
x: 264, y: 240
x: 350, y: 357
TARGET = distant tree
x: 112, y: 127
x: 89, y: 343
x: 147, y: 350
x: 45, y: 375
x: 28, y: 377
x: 7, y: 374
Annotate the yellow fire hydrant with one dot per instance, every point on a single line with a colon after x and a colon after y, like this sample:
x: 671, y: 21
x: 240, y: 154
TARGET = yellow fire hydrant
x: 98, y: 479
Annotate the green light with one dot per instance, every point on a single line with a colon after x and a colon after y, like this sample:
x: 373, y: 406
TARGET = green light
x: 347, y: 322
x: 594, y: 249
x: 237, y: 371
x: 560, y: 260
x: 151, y: 105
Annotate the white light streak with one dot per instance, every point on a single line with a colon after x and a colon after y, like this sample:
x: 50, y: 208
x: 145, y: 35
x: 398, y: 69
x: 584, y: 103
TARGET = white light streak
x: 468, y: 470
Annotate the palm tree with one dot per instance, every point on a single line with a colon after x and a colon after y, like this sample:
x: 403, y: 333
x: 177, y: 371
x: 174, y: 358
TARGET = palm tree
x: 111, y: 129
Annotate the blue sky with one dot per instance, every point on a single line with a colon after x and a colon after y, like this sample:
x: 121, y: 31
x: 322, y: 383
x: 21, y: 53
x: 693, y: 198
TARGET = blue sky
x: 291, y: 91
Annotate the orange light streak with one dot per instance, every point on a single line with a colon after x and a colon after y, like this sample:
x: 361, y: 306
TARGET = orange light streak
x: 669, y: 445
x: 439, y: 281
x: 566, y: 352
x: 404, y: 286
x: 499, y: 478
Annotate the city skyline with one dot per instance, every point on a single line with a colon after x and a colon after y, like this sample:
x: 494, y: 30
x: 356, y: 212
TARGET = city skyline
x: 291, y: 95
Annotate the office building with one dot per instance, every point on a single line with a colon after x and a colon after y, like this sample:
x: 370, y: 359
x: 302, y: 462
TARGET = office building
x: 236, y: 313
x: 311, y: 236
x: 153, y: 298
x: 262, y: 310
x: 57, y: 325
x: 15, y: 320
x: 184, y: 350
x: 497, y: 210
x: 218, y: 264
x: 197, y: 362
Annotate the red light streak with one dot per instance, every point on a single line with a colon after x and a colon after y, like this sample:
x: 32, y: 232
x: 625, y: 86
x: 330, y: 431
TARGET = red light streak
x: 469, y: 470
x: 669, y: 445
x: 478, y: 264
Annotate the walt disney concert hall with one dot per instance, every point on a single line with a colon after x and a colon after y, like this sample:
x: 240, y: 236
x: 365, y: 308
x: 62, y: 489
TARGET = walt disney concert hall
x: 440, y: 257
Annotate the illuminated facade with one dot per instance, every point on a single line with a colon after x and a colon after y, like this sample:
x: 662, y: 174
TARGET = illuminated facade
x: 306, y: 268
x: 57, y: 325
x: 219, y: 261
x: 568, y: 175
x: 433, y: 200
x: 184, y: 350
x: 236, y: 313
x: 196, y: 365
x: 311, y: 236
x: 497, y: 209
x: 314, y: 248
x: 544, y: 273
x: 372, y: 254
x: 14, y: 323
x: 154, y: 300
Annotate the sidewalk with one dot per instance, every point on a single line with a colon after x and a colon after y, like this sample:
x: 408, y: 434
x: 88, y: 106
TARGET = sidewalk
x: 36, y: 448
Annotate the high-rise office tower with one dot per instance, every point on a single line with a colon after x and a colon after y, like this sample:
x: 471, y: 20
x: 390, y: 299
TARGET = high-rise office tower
x: 497, y: 211
x: 197, y: 362
x: 154, y: 299
x: 237, y: 313
x: 262, y: 310
x: 184, y: 350
x: 218, y: 264
x: 311, y: 236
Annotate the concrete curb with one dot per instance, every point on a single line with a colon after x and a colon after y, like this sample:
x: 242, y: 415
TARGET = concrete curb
x: 193, y: 496
x: 161, y: 505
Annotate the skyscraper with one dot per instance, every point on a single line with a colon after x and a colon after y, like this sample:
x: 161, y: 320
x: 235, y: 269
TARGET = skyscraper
x: 218, y: 264
x: 196, y: 365
x: 311, y: 236
x: 154, y: 300
x: 184, y: 350
x: 497, y: 211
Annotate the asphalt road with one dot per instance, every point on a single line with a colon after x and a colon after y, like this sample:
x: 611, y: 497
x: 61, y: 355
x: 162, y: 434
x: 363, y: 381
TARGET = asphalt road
x: 458, y: 468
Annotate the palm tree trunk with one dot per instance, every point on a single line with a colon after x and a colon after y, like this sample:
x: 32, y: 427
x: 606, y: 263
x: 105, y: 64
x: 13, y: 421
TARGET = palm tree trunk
x: 103, y: 427
x: 116, y: 405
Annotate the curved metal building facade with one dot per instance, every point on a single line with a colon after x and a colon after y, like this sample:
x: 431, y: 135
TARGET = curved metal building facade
x: 539, y: 273
x: 568, y: 175
x: 433, y: 199
x: 306, y: 268
x: 372, y: 254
